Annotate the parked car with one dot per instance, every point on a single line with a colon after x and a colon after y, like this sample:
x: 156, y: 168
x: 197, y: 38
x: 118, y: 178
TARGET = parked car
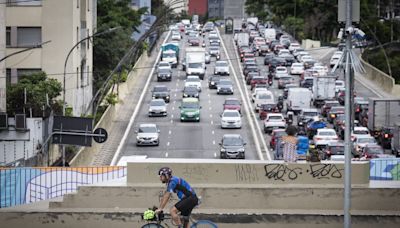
x: 231, y: 119
x: 148, y: 135
x: 157, y: 107
x: 232, y: 146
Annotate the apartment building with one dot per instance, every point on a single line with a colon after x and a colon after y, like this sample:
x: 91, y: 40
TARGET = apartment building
x: 216, y: 9
x: 62, y: 22
x: 177, y: 5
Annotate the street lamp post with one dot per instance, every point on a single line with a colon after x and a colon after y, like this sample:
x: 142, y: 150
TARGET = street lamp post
x: 65, y: 68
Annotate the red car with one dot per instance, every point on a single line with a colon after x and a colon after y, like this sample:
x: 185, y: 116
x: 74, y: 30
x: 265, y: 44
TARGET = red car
x: 277, y: 133
x: 267, y: 108
x: 232, y: 104
x: 258, y: 80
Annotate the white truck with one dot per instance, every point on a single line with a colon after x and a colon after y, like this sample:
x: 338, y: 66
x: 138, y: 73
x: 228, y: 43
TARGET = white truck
x: 270, y: 34
x: 237, y: 25
x: 298, y: 99
x: 243, y: 39
x: 323, y: 89
x: 383, y: 112
x: 195, y: 62
x: 252, y: 20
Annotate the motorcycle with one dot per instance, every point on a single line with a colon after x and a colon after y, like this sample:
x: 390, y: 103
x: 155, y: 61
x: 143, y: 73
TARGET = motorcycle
x: 270, y: 82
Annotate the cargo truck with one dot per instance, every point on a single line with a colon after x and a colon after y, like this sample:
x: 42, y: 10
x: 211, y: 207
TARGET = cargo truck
x: 195, y: 62
x: 170, y: 53
x: 382, y: 113
x: 323, y: 89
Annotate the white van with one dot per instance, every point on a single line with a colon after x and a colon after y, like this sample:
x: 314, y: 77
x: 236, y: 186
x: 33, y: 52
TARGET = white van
x: 263, y: 97
x: 298, y: 99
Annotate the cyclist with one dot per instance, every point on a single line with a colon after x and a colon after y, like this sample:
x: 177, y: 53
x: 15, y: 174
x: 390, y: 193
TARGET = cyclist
x: 186, y: 194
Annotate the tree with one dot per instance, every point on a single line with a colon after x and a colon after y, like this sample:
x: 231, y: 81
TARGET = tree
x: 109, y: 48
x: 36, y: 85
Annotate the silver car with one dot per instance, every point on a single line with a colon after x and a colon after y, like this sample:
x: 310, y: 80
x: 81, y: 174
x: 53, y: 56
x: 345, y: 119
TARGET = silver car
x: 225, y: 86
x: 157, y: 107
x: 221, y: 68
x: 148, y: 135
x: 214, y: 51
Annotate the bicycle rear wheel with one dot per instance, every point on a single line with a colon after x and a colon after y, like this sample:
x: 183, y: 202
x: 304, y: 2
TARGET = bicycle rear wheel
x: 152, y: 225
x: 204, y: 224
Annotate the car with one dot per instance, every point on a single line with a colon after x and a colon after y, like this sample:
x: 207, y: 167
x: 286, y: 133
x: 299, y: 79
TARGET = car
x: 164, y: 74
x: 339, y: 84
x: 176, y: 36
x: 276, y: 136
x: 164, y: 65
x: 250, y: 68
x: 263, y: 49
x: 157, y: 107
x: 225, y: 86
x: 334, y: 151
x: 283, y: 51
x: 214, y: 41
x: 214, y: 51
x: 333, y: 112
x: 253, y: 95
x: 297, y: 68
x: 280, y: 71
x: 375, y: 151
x: 297, y: 51
x: 268, y: 58
x: 359, y: 106
x: 258, y: 80
x: 266, y: 108
x: 212, y: 34
x: 231, y: 119
x: 213, y: 81
x: 161, y: 91
x: 307, y: 82
x: 324, y: 136
x: 293, y: 47
x: 232, y: 103
x: 207, y: 57
x: 221, y: 68
x: 274, y: 121
x: 190, y: 91
x: 190, y: 109
x: 327, y: 106
x: 335, y: 60
x: 275, y: 62
x: 284, y: 80
x: 232, y: 146
x: 148, y: 135
x: 305, y: 115
x: 194, y: 41
x: 193, y: 80
x: 359, y: 131
x: 322, y: 70
x: 361, y: 141
x: 250, y: 76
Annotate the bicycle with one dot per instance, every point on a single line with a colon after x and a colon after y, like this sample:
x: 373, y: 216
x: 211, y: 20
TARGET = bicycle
x: 157, y: 221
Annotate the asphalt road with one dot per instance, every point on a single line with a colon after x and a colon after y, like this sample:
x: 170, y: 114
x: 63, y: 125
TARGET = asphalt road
x: 188, y: 139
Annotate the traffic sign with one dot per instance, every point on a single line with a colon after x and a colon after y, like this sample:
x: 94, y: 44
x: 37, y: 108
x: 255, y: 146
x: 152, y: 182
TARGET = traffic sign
x: 101, y: 135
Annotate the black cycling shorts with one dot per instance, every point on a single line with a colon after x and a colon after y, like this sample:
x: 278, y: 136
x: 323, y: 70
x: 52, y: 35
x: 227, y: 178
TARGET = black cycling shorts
x: 186, y: 205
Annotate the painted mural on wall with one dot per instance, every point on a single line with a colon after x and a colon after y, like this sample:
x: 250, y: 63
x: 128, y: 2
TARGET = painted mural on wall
x: 27, y: 185
x: 385, y: 169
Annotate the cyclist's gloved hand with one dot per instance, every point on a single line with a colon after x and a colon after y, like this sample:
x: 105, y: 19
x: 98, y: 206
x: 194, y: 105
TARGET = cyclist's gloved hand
x: 158, y: 211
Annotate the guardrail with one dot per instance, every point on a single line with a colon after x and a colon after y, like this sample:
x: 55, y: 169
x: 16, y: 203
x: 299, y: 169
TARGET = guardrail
x: 32, y: 184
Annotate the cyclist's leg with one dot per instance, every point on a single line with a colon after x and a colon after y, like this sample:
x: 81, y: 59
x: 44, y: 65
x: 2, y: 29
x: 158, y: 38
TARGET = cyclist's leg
x: 174, y: 214
x: 189, y: 203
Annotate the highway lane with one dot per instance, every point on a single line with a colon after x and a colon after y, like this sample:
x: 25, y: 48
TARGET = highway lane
x: 188, y: 139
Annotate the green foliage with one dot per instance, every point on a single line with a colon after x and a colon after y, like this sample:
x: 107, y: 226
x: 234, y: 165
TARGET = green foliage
x: 37, y: 85
x: 109, y: 48
x: 112, y: 99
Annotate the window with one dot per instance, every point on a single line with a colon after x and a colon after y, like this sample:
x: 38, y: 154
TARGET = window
x: 28, y: 36
x: 8, y: 76
x: 24, y: 3
x: 77, y: 3
x: 26, y: 72
x: 8, y: 36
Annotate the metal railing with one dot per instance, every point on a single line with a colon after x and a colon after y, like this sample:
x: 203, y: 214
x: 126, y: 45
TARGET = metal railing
x: 32, y: 184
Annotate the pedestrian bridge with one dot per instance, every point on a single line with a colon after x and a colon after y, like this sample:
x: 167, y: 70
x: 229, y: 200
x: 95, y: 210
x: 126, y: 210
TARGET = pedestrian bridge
x: 234, y: 194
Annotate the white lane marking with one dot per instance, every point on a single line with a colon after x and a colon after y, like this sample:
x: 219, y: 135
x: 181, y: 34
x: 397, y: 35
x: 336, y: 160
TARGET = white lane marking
x: 175, y: 95
x: 173, y: 108
x: 209, y: 101
x: 172, y: 120
x: 246, y: 104
x: 208, y: 95
x: 168, y: 143
x: 139, y: 104
x: 215, y: 155
x: 212, y: 132
x: 210, y: 115
x: 166, y: 154
x: 209, y: 108
x: 213, y: 142
x: 174, y: 102
x: 169, y: 132
x: 212, y: 122
x: 172, y: 116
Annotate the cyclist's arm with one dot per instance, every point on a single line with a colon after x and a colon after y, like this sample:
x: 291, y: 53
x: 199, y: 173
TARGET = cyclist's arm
x: 164, y: 200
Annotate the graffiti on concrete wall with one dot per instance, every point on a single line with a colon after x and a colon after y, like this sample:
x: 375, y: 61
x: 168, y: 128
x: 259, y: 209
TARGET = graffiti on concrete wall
x: 246, y: 173
x: 283, y: 172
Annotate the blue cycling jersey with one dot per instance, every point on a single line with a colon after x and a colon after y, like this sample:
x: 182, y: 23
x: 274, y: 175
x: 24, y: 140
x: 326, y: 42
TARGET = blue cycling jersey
x: 180, y: 187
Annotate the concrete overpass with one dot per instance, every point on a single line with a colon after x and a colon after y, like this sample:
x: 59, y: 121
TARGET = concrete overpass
x: 234, y: 194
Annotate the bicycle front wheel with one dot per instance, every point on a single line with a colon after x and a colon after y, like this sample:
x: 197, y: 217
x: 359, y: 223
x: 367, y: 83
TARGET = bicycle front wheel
x: 204, y: 224
x: 152, y: 225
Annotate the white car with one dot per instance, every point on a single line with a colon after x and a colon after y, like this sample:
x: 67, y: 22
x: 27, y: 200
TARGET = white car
x: 148, y: 135
x: 359, y: 131
x: 335, y: 59
x: 280, y: 71
x: 164, y: 65
x: 231, y: 119
x: 157, y: 107
x: 255, y: 91
x: 283, y: 51
x: 221, y: 67
x: 300, y: 53
x: 361, y: 141
x: 193, y: 80
x: 274, y: 121
x: 297, y: 68
x: 324, y: 136
x: 212, y: 34
x: 176, y: 36
x: 339, y: 84
x: 294, y: 46
x: 322, y: 70
x: 304, y: 58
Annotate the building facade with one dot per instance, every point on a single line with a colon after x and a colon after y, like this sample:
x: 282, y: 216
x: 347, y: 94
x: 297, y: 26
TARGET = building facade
x: 64, y: 24
x: 234, y: 9
x: 216, y: 9
x: 177, y: 6
x: 198, y: 7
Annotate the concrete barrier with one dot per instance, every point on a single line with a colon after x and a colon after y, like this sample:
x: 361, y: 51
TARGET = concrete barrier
x: 248, y: 172
x: 309, y: 44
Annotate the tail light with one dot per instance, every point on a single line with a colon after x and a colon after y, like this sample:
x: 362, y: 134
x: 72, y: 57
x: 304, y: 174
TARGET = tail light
x: 318, y: 138
x: 358, y: 110
x: 386, y: 136
x: 328, y: 152
x: 333, y: 115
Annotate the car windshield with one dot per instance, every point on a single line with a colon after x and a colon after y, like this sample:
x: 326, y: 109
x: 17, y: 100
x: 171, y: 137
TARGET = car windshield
x: 310, y: 113
x: 361, y: 132
x: 337, y: 150
x: 221, y: 64
x: 190, y: 89
x: 366, y: 140
x: 194, y: 79
x: 164, y: 65
x: 231, y: 114
x: 375, y: 150
x: 275, y: 118
x: 327, y: 133
x: 160, y: 89
x: 233, y: 141
x: 195, y: 65
x: 147, y: 130
x: 232, y: 102
x: 225, y: 82
x: 164, y: 71
x: 264, y: 96
x: 157, y: 103
x: 192, y: 105
x: 337, y: 109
